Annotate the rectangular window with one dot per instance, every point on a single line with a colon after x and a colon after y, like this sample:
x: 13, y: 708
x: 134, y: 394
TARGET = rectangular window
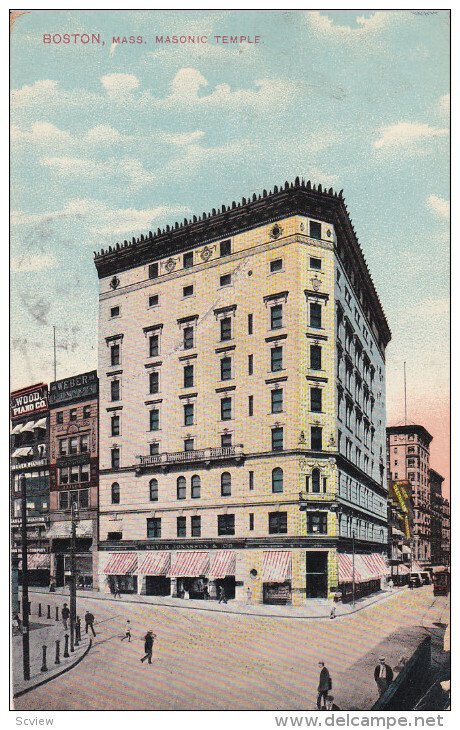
x: 153, y: 300
x: 277, y: 400
x: 114, y: 536
x: 188, y: 376
x: 316, y: 400
x: 316, y: 438
x: 115, y: 425
x: 250, y: 405
x: 83, y: 498
x: 153, y: 271
x: 154, y: 381
x: 315, y: 263
x: 115, y: 311
x: 74, y: 474
x: 315, y: 315
x: 63, y: 500
x: 63, y: 447
x: 64, y: 475
x: 226, y: 368
x: 276, y: 265
x: 277, y: 523
x: 188, y: 414
x: 225, y: 524
x: 189, y: 444
x: 251, y: 521
x: 276, y: 316
x: 250, y: 364
x: 315, y: 357
x: 225, y: 329
x: 115, y: 390
x: 181, y: 488
x: 115, y: 355
x: 188, y: 290
x: 86, y: 411
x: 226, y: 409
x: 317, y: 522
x: 315, y: 230
x: 154, y: 417
x: 188, y: 338
x: 225, y: 280
x: 84, y: 444
x: 154, y: 527
x: 188, y: 260
x: 73, y: 445
x: 60, y: 417
x: 154, y: 345
x: 251, y: 481
x: 225, y: 247
x: 181, y: 527
x: 277, y: 439
x: 276, y: 355
x: 73, y: 414
x: 154, y: 448
x: 226, y: 440
x: 196, y: 526
x: 250, y: 324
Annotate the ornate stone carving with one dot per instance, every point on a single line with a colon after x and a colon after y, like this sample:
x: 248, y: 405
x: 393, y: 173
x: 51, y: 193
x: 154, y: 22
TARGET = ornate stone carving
x: 170, y: 265
x: 276, y: 231
x: 114, y: 282
x: 316, y: 283
x: 206, y: 253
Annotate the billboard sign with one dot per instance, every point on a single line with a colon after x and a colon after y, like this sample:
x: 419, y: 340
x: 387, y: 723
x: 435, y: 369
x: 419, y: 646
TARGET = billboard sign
x: 76, y: 388
x: 401, y: 493
x: 29, y: 401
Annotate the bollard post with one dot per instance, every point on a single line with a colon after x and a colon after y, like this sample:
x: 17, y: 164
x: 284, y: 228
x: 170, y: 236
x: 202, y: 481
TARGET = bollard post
x: 57, y: 613
x: 66, y: 646
x: 78, y: 629
x: 44, y: 667
x: 49, y: 612
x: 57, y: 660
x: 39, y: 610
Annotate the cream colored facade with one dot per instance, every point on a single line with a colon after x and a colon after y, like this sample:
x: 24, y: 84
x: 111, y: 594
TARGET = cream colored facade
x: 275, y: 264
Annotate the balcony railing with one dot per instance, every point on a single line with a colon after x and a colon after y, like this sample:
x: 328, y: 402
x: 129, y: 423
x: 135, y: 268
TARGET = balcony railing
x: 197, y: 455
x: 311, y: 499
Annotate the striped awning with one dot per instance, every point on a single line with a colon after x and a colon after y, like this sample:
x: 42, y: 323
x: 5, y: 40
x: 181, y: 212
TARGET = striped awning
x: 277, y: 566
x: 345, y: 561
x: 121, y: 564
x: 402, y: 569
x: 223, y: 563
x: 372, y: 566
x: 23, y: 451
x: 16, y: 429
x: 37, y: 561
x: 417, y: 568
x: 41, y: 423
x: 63, y: 529
x: 190, y: 564
x: 29, y: 426
x: 155, y: 563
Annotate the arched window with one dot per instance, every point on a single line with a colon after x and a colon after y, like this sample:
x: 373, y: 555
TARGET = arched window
x: 181, y: 488
x: 277, y: 480
x: 226, y: 484
x: 153, y: 487
x: 115, y: 493
x: 196, y: 487
x: 315, y: 477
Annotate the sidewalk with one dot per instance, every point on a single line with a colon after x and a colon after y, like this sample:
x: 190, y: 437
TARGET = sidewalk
x: 314, y: 609
x: 43, y: 632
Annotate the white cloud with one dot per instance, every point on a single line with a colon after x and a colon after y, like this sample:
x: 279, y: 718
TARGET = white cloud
x: 324, y: 25
x: 439, y: 206
x: 102, y: 134
x: 41, y: 133
x: 113, y: 168
x: 407, y: 134
x: 444, y: 104
x: 36, y: 262
x: 44, y: 134
x: 180, y: 139
x: 117, y: 85
x: 326, y: 179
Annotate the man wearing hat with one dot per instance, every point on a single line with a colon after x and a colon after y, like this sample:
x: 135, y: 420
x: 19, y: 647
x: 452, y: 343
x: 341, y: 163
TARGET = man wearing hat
x: 383, y: 675
x: 148, y: 646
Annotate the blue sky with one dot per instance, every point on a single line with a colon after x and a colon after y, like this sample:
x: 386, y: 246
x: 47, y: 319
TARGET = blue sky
x: 109, y: 142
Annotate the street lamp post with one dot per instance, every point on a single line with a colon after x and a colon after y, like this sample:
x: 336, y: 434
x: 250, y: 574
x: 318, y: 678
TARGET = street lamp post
x: 353, y: 566
x: 25, y: 582
x: 73, y: 577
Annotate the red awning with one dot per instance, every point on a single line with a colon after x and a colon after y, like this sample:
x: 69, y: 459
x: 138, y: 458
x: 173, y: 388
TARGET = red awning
x: 223, y: 563
x: 346, y: 569
x: 190, y: 564
x: 37, y: 561
x: 365, y: 568
x: 402, y: 569
x: 380, y: 564
x: 121, y: 564
x: 277, y: 566
x: 417, y: 568
x: 156, y: 563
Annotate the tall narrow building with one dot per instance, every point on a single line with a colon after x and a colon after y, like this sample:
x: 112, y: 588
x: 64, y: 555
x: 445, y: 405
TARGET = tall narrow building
x: 242, y: 405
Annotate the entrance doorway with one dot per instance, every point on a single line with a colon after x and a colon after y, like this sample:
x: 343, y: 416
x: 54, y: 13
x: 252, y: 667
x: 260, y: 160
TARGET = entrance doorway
x: 59, y: 571
x: 157, y: 585
x: 316, y: 574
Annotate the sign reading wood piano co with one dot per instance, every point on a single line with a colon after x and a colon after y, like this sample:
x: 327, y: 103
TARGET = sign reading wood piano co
x: 74, y: 389
x: 29, y: 401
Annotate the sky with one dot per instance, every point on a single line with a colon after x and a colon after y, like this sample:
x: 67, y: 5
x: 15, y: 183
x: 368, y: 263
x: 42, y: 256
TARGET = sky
x: 112, y: 140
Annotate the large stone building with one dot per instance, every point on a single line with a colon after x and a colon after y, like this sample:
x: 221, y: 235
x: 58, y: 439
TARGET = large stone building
x: 242, y: 405
x: 408, y: 458
x: 74, y: 476
x: 29, y: 452
x: 437, y: 507
x: 445, y: 541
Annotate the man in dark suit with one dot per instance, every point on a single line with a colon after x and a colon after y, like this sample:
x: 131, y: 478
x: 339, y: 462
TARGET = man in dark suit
x: 383, y: 675
x: 325, y: 684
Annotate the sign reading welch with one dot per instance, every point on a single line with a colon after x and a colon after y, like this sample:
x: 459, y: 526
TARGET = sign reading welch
x: 78, y: 387
x: 29, y: 401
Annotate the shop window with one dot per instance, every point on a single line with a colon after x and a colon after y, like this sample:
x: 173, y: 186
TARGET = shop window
x: 115, y: 493
x: 277, y: 480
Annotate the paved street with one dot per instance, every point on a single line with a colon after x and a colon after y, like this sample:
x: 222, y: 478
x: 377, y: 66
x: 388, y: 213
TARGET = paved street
x: 214, y: 661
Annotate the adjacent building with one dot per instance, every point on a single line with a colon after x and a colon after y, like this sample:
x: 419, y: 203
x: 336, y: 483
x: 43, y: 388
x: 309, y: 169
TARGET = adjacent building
x: 408, y: 458
x: 74, y: 476
x: 445, y: 538
x: 437, y: 505
x: 242, y: 405
x: 29, y: 463
x: 400, y: 530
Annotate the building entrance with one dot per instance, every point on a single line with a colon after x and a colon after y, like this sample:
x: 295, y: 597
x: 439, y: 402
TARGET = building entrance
x: 59, y: 571
x: 316, y: 570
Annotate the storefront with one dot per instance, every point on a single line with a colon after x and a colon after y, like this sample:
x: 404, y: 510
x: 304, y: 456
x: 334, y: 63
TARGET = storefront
x: 152, y: 573
x: 222, y: 573
x: 120, y: 572
x: 366, y: 571
x: 189, y: 574
x: 38, y: 568
x: 59, y: 536
x: 277, y: 577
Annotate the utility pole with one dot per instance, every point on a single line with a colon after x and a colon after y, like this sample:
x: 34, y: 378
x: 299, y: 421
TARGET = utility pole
x: 73, y: 577
x: 25, y: 582
x: 353, y: 566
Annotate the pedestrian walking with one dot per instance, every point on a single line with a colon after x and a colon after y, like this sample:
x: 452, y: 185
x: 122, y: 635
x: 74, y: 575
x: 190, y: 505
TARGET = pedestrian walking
x: 89, y: 621
x: 78, y: 628
x: 249, y: 596
x: 325, y: 684
x: 222, y: 596
x: 127, y: 632
x: 148, y: 646
x: 65, y: 614
x: 18, y: 623
x: 330, y: 706
x: 383, y: 675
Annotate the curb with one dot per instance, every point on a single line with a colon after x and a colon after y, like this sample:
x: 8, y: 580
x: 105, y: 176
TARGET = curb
x: 55, y: 676
x: 235, y: 613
